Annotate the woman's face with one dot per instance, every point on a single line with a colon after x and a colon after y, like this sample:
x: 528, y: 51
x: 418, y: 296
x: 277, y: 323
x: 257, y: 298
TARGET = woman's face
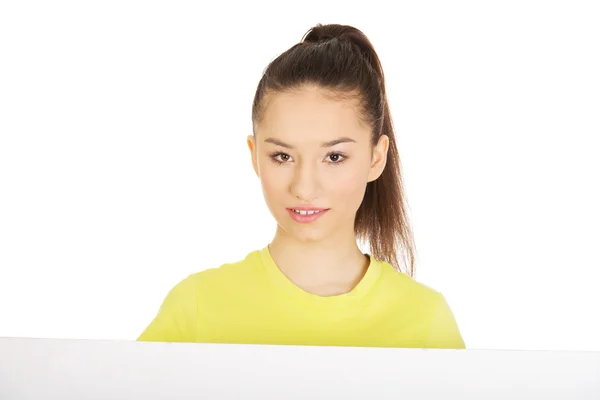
x: 313, y: 152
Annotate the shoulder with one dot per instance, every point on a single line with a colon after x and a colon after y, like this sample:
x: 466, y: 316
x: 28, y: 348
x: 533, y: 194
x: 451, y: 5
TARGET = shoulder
x: 240, y: 269
x: 430, y: 304
x: 225, y: 277
x: 403, y: 285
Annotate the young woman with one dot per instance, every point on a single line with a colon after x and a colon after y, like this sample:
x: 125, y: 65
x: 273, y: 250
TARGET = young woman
x: 323, y: 146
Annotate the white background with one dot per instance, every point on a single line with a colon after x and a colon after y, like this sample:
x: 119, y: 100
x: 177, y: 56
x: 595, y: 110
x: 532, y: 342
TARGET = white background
x: 124, y: 167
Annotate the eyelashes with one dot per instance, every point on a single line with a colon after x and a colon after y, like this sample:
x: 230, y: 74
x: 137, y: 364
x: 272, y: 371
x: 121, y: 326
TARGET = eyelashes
x: 282, y: 158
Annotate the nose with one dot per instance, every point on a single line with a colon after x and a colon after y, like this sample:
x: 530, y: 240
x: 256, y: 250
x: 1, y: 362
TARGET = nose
x: 306, y: 185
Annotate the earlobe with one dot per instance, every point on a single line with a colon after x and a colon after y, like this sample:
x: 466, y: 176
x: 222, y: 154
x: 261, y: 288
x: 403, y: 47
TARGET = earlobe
x: 379, y: 158
x: 252, y: 147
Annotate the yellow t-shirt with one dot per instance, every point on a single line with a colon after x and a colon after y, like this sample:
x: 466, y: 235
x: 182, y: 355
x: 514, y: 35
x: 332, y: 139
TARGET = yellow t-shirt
x: 253, y: 302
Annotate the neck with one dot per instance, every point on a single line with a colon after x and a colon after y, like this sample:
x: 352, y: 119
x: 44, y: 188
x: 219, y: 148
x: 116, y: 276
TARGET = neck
x: 331, y: 266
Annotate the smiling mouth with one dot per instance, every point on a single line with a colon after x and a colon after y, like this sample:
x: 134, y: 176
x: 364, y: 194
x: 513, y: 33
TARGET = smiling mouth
x: 307, y: 212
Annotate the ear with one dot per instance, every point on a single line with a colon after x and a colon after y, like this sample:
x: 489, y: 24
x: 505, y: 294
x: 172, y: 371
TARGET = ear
x: 252, y: 147
x: 379, y: 157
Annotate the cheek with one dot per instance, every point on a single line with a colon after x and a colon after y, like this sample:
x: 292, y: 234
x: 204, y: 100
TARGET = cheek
x: 348, y: 188
x: 273, y: 181
x: 270, y: 187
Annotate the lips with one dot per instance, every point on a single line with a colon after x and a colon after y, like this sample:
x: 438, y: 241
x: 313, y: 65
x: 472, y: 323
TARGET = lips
x: 304, y: 214
x: 307, y: 211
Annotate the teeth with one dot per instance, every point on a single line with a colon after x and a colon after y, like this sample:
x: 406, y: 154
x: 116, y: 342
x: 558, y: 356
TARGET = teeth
x: 304, y: 212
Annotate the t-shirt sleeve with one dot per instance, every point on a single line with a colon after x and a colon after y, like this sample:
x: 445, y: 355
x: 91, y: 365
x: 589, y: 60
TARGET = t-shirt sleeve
x: 176, y: 320
x: 444, y: 332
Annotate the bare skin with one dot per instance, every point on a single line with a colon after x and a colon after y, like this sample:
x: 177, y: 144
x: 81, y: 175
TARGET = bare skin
x: 299, y: 164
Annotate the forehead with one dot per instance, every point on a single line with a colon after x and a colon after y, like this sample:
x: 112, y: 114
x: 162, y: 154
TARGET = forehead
x: 309, y: 115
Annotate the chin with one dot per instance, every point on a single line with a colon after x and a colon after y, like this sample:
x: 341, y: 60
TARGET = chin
x: 308, y: 237
x: 307, y: 234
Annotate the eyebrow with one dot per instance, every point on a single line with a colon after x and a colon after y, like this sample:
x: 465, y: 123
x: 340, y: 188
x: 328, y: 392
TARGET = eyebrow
x: 326, y: 144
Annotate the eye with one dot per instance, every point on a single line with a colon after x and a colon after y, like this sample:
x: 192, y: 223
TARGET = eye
x: 336, y: 158
x: 280, y: 158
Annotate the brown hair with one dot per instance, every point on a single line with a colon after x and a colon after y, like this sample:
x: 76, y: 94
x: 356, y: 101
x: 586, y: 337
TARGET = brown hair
x: 342, y: 60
